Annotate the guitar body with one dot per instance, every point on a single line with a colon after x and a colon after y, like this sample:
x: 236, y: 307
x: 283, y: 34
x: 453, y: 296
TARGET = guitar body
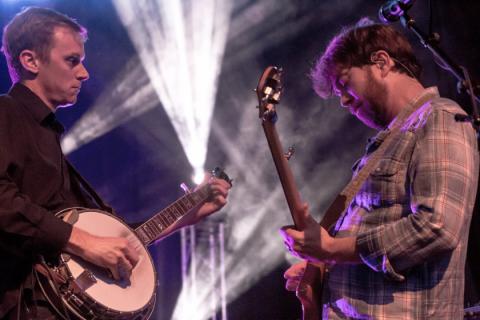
x: 88, y: 291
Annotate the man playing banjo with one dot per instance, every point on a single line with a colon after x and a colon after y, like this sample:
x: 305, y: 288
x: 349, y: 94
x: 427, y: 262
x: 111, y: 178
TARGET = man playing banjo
x: 44, y: 51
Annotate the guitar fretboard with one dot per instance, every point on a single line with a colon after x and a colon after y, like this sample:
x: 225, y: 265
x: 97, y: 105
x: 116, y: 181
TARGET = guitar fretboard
x: 150, y: 231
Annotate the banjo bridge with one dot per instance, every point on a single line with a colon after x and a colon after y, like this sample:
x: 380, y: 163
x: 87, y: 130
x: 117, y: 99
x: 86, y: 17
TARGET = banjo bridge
x: 85, y: 280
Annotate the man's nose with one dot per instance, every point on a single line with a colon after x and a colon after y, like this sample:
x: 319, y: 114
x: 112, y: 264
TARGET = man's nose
x: 83, y: 73
x: 346, y: 99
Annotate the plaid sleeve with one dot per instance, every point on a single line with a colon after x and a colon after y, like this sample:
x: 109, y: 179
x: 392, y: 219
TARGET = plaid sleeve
x: 442, y: 177
x: 373, y: 253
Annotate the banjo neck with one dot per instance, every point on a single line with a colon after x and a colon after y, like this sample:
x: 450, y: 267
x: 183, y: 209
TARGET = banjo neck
x: 151, y: 230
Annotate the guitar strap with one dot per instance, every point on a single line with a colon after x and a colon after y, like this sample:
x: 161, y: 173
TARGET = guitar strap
x: 343, y: 199
x: 88, y: 188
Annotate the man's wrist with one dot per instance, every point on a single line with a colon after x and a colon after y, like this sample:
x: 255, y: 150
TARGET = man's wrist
x: 76, y: 242
x: 344, y: 250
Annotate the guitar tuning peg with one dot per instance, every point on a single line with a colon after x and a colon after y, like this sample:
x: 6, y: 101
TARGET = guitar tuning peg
x: 185, y: 188
x: 289, y: 153
x: 255, y: 90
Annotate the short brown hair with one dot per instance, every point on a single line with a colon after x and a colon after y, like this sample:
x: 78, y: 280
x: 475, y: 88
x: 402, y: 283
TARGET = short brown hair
x: 353, y: 47
x: 32, y: 29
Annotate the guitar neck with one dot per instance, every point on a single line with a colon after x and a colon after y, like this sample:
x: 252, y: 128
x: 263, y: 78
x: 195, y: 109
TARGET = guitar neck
x: 268, y: 91
x: 285, y: 173
x: 151, y: 230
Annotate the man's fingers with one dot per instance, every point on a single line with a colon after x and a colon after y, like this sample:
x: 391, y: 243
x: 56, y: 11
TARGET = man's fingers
x: 220, y: 199
x: 305, y: 207
x: 124, y: 268
x: 292, y: 238
x: 291, y: 226
x: 219, y: 187
x: 218, y: 194
x: 131, y: 255
x: 291, y: 285
x: 289, y: 232
x: 293, y: 275
x: 295, y: 271
x: 114, y: 271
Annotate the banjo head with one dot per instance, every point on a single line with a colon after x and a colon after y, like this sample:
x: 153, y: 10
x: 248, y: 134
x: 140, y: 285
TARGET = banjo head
x: 97, y: 284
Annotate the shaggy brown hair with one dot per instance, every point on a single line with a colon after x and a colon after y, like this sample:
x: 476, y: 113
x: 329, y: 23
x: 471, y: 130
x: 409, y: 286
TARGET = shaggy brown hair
x: 353, y: 47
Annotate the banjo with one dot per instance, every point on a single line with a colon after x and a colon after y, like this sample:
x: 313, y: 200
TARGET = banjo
x: 77, y: 289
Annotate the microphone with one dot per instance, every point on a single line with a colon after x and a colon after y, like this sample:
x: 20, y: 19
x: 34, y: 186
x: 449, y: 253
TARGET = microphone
x: 392, y: 10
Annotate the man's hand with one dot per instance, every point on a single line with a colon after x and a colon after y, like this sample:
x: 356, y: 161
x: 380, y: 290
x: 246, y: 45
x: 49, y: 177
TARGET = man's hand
x: 315, y: 244
x: 312, y: 243
x: 219, y: 192
x: 114, y: 254
x: 293, y: 275
x: 306, y: 286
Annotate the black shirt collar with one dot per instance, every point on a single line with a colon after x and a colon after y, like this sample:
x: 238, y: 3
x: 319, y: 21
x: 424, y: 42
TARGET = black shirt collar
x: 36, y: 107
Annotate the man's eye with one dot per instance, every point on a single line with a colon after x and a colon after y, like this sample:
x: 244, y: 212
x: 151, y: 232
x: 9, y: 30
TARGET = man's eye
x: 73, y: 61
x: 341, y: 88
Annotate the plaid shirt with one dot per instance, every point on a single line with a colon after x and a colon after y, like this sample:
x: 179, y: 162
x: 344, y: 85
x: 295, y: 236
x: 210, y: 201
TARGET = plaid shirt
x: 411, y: 219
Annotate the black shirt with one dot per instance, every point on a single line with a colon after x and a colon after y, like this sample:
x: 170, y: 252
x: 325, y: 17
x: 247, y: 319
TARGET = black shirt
x: 35, y: 183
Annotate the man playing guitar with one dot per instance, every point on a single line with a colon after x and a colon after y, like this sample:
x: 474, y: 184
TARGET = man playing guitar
x: 398, y: 251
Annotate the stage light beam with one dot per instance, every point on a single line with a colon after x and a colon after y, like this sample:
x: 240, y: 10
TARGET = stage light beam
x: 181, y: 46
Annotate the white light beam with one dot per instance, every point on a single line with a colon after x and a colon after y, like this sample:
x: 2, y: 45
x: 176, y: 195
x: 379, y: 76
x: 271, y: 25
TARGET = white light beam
x: 181, y: 46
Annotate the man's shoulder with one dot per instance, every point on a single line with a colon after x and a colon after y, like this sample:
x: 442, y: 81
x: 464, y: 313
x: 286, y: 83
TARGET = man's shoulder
x: 441, y: 104
x: 7, y: 102
x: 434, y: 110
x: 9, y: 110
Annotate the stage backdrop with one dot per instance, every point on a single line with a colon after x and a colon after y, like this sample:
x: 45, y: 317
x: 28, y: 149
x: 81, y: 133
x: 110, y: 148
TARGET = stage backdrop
x: 170, y: 90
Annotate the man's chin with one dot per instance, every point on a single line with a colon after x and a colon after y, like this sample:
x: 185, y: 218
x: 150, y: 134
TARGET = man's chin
x: 65, y: 104
x: 369, y: 120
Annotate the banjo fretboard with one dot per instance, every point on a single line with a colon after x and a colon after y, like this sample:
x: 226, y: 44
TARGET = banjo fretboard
x: 150, y: 231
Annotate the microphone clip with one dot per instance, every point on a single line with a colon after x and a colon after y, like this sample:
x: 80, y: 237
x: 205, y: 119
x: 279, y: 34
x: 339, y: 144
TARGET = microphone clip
x: 393, y: 10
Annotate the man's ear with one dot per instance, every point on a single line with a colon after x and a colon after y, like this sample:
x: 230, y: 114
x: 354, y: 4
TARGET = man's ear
x: 383, y: 60
x: 29, y: 60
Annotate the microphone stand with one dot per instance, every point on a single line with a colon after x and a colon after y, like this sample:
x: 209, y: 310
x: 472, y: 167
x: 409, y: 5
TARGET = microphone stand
x: 464, y: 84
x: 461, y: 73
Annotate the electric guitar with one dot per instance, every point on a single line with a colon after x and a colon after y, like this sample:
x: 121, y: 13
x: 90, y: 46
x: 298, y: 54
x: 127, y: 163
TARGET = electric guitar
x: 77, y: 289
x: 269, y: 90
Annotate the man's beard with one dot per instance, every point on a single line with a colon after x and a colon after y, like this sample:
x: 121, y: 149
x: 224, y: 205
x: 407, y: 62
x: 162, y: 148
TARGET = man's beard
x: 376, y: 96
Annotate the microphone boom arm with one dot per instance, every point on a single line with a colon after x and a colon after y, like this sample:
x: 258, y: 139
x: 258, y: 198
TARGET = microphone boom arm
x: 441, y: 58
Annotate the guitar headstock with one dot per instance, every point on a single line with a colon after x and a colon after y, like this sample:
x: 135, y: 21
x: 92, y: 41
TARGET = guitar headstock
x: 220, y: 174
x: 268, y: 90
